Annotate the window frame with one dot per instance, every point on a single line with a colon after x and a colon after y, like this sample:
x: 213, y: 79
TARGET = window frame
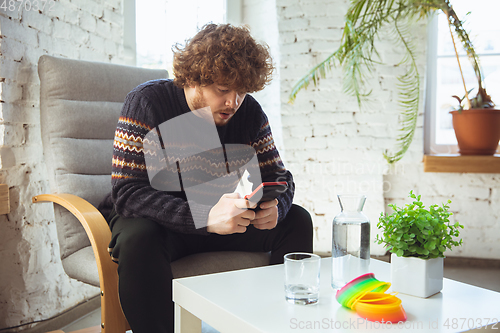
x: 430, y: 145
x: 431, y: 85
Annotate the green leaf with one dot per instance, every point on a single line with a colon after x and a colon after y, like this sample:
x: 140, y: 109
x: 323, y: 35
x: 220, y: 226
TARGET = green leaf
x: 357, y: 55
x: 418, y: 231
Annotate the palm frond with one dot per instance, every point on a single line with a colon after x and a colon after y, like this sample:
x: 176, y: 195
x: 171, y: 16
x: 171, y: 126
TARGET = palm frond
x: 358, y: 56
x: 408, y: 92
x: 355, y: 53
x: 313, y: 75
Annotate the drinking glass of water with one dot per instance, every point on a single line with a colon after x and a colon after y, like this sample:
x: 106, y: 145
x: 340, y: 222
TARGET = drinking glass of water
x: 302, y: 272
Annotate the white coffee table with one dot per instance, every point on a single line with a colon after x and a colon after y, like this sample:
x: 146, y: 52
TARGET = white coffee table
x: 253, y: 300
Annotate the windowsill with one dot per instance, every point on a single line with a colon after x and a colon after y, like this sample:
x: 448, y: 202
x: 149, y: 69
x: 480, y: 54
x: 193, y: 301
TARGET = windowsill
x: 459, y: 163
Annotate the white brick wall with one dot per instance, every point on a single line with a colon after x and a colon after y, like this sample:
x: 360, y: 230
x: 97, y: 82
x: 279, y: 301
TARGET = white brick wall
x: 333, y: 146
x: 328, y: 146
x: 33, y: 285
x: 329, y: 143
x: 261, y: 17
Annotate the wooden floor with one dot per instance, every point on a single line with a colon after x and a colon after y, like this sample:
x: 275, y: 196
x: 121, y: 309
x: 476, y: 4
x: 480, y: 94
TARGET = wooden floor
x: 94, y: 329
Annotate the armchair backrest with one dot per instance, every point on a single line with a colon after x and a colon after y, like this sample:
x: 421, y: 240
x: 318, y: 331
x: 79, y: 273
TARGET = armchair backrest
x: 80, y: 102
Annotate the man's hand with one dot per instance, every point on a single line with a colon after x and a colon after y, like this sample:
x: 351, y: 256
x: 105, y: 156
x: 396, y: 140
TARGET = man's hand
x: 230, y: 215
x: 267, y: 217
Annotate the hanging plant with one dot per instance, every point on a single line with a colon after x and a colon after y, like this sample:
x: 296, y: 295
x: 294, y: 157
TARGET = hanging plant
x: 357, y: 56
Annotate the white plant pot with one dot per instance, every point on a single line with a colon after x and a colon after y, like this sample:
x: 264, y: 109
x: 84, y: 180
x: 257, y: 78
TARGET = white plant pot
x: 415, y: 276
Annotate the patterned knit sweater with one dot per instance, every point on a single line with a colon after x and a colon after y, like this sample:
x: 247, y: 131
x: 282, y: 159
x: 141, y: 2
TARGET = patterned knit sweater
x: 148, y: 106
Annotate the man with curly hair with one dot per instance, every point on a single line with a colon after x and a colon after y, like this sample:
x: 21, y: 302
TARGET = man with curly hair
x: 215, y: 70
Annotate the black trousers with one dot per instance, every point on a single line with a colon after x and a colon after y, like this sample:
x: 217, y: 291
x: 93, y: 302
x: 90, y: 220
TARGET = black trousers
x: 144, y: 251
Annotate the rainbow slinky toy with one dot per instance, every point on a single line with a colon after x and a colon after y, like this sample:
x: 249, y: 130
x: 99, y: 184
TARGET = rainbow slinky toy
x: 366, y: 295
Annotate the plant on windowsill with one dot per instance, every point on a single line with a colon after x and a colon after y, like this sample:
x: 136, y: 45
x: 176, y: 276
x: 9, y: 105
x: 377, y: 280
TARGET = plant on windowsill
x: 417, y: 237
x: 476, y: 122
x: 358, y: 55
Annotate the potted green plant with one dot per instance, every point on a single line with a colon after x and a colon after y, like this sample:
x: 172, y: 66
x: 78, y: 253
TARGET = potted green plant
x: 417, y: 237
x: 357, y: 55
x: 476, y: 122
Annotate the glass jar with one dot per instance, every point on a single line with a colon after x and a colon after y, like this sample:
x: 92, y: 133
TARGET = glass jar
x: 350, y: 241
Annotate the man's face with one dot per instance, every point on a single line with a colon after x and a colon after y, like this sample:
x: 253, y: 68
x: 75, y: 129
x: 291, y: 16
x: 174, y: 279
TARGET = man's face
x: 222, y: 101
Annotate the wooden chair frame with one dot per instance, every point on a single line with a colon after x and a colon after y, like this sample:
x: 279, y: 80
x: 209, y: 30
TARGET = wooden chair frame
x: 112, y: 318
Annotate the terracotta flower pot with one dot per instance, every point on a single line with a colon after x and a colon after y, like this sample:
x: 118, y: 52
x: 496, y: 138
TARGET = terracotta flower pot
x: 477, y: 131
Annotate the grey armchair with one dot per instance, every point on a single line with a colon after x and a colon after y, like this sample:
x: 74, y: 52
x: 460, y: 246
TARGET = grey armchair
x: 80, y: 103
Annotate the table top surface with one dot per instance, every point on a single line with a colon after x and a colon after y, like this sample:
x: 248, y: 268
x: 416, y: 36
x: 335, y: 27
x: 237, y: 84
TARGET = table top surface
x: 253, y: 300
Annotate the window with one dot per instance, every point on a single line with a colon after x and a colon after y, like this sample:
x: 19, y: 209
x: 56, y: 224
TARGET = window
x: 443, y: 76
x: 163, y: 23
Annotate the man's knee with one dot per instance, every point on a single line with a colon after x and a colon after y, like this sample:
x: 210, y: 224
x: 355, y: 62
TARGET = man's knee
x: 300, y: 220
x: 297, y: 230
x: 139, y: 238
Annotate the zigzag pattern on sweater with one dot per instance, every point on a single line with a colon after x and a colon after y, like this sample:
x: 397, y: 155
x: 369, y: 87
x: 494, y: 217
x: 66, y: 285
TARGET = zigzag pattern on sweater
x: 133, y: 122
x: 122, y: 163
x: 125, y: 146
x: 266, y: 149
x: 119, y: 175
x: 264, y: 142
x: 212, y: 167
x: 277, y: 159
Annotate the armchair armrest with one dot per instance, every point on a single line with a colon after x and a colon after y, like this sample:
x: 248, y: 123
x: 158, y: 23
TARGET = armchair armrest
x: 98, y: 231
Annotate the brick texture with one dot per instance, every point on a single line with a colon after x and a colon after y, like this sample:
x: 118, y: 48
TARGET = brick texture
x: 330, y: 144
x: 343, y: 143
x: 34, y: 286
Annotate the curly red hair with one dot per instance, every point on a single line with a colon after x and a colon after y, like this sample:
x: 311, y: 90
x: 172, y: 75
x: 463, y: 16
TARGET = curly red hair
x: 225, y: 55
